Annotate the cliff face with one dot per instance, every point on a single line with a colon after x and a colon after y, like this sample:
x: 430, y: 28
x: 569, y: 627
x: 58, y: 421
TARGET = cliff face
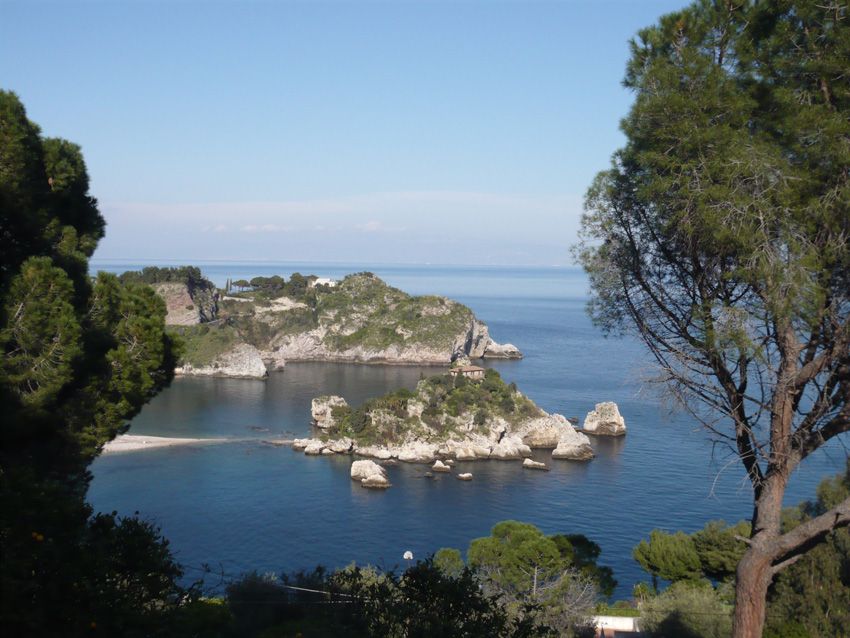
x: 189, y: 303
x: 445, y: 417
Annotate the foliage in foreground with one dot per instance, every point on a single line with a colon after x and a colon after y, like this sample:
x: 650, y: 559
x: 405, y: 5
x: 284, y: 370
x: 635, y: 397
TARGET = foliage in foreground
x: 518, y: 582
x: 79, y: 359
x: 423, y: 601
x: 687, y: 610
x: 810, y: 598
x: 719, y: 237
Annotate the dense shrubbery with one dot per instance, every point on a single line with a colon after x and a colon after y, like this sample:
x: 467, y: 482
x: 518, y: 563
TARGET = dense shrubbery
x: 80, y: 358
x: 809, y: 598
x: 688, y: 610
x: 444, y: 397
x: 189, y: 275
x: 496, y: 595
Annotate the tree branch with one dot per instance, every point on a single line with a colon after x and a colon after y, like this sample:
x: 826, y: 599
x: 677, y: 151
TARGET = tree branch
x: 807, y: 534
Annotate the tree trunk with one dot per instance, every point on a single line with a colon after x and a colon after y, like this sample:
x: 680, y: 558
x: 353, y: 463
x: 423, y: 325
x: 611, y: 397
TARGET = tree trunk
x: 753, y: 578
x: 755, y: 569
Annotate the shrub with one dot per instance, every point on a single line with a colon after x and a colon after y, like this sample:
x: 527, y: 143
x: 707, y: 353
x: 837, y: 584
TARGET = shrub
x: 687, y: 610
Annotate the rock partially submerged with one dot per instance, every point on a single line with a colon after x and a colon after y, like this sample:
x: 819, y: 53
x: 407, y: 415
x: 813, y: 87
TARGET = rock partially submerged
x: 439, y: 466
x: 242, y: 361
x: 605, y: 420
x: 502, y: 351
x: 466, y: 476
x: 369, y: 474
x: 571, y: 445
x: 529, y: 464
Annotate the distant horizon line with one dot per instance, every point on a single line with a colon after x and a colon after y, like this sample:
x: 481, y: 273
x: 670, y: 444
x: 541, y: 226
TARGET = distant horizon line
x: 191, y: 261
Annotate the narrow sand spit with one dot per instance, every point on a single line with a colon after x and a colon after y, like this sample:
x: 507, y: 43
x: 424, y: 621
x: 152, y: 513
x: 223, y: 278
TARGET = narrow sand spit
x: 134, y: 442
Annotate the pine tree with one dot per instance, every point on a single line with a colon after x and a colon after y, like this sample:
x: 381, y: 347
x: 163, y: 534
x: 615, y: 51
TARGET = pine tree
x: 80, y: 358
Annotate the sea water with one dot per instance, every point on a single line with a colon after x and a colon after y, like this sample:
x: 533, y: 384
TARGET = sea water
x: 246, y: 505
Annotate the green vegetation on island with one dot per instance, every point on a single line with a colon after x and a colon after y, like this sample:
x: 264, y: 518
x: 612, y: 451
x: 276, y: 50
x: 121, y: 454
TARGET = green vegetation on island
x: 441, y: 407
x: 360, y: 311
x: 359, y: 318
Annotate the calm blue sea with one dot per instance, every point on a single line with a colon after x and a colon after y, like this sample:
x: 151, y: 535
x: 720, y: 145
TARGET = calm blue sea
x: 245, y: 505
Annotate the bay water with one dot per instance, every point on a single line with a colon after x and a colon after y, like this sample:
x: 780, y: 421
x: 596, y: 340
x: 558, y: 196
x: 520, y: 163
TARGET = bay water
x: 246, y: 505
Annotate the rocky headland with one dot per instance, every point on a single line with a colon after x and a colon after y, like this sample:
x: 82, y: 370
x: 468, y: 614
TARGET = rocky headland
x: 270, y: 320
x: 446, y: 418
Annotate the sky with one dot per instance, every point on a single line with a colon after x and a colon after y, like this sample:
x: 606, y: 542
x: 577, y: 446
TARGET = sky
x: 351, y: 131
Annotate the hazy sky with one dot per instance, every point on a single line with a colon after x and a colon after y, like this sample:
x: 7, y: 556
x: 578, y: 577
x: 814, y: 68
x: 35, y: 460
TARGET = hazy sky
x: 442, y: 132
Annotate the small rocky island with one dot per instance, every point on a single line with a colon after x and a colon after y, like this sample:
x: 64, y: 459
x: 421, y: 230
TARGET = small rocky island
x: 251, y: 327
x: 605, y: 420
x: 458, y: 416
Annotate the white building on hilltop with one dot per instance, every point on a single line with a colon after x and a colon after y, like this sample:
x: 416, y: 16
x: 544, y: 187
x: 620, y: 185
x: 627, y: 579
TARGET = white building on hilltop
x: 323, y: 281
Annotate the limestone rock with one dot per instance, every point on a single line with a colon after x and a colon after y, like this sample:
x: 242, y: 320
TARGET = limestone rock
x: 300, y: 444
x: 315, y: 447
x: 243, y: 361
x: 322, y: 410
x: 529, y: 464
x: 465, y: 476
x: 369, y: 474
x: 375, y: 482
x: 605, y: 420
x: 439, y: 466
x: 473, y: 341
x: 510, y: 447
x: 573, y: 446
x: 501, y: 351
x: 544, y: 432
x: 465, y: 454
x: 417, y: 452
x: 340, y: 446
x: 373, y: 451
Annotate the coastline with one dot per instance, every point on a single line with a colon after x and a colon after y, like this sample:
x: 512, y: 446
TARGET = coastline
x: 136, y: 442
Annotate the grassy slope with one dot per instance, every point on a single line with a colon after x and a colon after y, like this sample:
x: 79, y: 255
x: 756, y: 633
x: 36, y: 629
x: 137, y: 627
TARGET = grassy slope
x: 202, y: 344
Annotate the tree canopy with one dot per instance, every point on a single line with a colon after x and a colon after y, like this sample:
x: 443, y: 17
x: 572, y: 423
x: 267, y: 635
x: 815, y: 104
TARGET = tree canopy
x: 719, y: 236
x: 80, y: 358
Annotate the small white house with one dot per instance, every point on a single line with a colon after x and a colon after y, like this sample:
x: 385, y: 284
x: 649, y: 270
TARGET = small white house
x: 323, y: 281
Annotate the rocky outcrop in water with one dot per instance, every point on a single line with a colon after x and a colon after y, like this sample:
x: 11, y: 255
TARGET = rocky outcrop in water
x: 369, y: 474
x: 361, y: 319
x: 530, y: 464
x: 501, y: 351
x: 605, y: 420
x: 445, y: 419
x: 242, y: 361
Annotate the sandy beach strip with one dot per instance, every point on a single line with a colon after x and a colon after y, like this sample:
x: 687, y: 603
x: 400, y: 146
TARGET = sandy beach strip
x: 135, y: 442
